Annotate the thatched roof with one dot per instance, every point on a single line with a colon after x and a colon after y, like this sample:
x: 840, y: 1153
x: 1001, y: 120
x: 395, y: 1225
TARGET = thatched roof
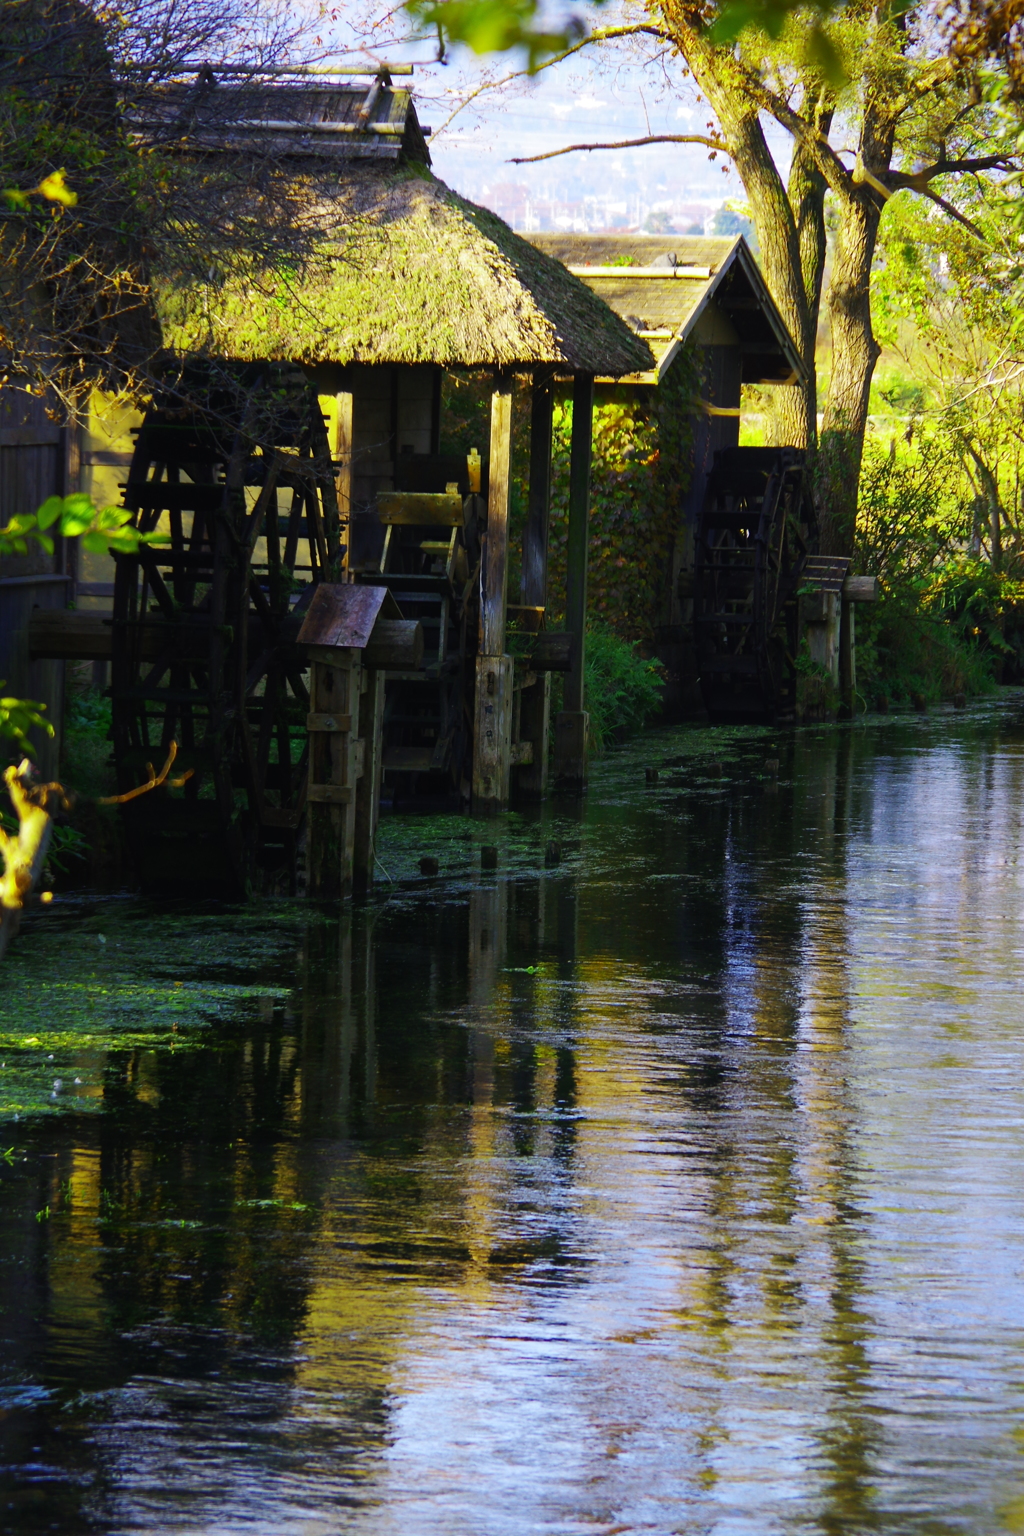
x: 409, y: 272
x: 662, y: 285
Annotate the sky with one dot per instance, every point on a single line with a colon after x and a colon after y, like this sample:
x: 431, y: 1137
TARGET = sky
x: 608, y: 93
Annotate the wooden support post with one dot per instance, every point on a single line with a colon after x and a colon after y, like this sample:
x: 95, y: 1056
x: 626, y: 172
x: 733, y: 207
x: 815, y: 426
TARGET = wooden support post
x: 823, y: 632
x: 571, y: 734
x: 533, y: 587
x: 335, y: 764
x: 847, y: 658
x: 371, y: 721
x: 492, y: 735
x: 342, y: 452
x: 495, y: 574
x: 535, y: 699
x: 534, y: 717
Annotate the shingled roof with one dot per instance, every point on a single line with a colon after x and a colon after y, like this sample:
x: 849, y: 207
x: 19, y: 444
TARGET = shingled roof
x: 662, y: 284
x: 402, y: 271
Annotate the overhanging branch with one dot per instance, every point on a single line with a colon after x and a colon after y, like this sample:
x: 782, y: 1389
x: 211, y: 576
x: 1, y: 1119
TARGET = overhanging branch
x: 650, y: 138
x: 917, y: 181
x: 601, y: 35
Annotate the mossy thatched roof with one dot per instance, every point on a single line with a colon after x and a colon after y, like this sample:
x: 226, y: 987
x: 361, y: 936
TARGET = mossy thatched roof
x: 406, y: 272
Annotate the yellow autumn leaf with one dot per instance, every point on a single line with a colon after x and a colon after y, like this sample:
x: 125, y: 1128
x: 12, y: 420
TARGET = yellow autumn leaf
x: 56, y: 189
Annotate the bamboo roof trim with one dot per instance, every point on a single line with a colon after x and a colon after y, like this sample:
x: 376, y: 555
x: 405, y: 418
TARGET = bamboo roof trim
x: 412, y: 274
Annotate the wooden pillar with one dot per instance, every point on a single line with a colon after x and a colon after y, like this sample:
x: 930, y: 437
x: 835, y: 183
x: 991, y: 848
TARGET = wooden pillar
x: 571, y: 725
x: 847, y: 658
x: 342, y: 453
x: 533, y: 588
x: 495, y: 561
x: 492, y: 733
x: 335, y: 763
x: 535, y: 700
x: 371, y: 720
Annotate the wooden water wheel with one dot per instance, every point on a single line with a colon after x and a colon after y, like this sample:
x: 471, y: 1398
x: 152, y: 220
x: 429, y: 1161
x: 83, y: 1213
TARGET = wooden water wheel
x: 204, y: 626
x: 756, y: 530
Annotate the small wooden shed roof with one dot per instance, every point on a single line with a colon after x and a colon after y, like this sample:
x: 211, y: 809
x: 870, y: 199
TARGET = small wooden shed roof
x: 661, y: 285
x: 402, y: 271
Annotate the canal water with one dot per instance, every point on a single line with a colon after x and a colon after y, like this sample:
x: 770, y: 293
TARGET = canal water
x: 674, y: 1188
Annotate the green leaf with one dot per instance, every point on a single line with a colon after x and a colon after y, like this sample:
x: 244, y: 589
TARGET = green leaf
x: 822, y: 53
x: 49, y: 512
x: 75, y: 521
x: 125, y: 541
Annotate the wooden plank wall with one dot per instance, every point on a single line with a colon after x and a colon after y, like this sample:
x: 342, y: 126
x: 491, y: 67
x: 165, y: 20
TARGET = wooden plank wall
x: 38, y: 458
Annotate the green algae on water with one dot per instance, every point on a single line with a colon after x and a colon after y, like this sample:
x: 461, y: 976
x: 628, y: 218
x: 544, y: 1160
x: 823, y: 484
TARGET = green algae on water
x: 88, y: 979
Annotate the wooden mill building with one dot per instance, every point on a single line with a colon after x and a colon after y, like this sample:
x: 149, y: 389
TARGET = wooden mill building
x: 392, y: 279
x: 702, y: 307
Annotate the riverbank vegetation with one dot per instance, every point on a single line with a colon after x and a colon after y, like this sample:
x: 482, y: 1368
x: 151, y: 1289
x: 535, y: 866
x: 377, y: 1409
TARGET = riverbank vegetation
x: 890, y: 236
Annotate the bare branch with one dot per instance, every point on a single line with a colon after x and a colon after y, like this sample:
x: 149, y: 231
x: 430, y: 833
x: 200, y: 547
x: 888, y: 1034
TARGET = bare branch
x: 917, y: 181
x: 825, y: 158
x: 953, y: 212
x: 602, y: 35
x: 651, y: 138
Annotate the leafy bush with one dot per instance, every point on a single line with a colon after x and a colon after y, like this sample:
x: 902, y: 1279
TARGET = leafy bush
x: 623, y: 689
x: 946, y: 621
x: 640, y: 474
x: 85, y: 749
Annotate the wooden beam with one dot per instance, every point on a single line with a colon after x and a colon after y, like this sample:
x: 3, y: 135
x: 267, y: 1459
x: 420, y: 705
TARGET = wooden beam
x: 335, y: 765
x: 572, y: 723
x: 495, y: 583
x: 492, y: 733
x: 847, y: 658
x: 533, y: 587
x: 860, y: 589
x: 342, y: 454
x: 371, y: 722
x: 580, y: 451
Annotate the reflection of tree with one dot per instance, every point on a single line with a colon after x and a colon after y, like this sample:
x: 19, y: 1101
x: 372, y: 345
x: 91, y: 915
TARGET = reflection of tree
x: 768, y: 1279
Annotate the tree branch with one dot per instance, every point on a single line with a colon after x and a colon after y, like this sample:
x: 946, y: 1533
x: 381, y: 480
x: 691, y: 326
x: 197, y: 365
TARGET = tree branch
x: 651, y: 138
x: 602, y: 35
x: 953, y: 212
x: 814, y: 142
x: 917, y: 181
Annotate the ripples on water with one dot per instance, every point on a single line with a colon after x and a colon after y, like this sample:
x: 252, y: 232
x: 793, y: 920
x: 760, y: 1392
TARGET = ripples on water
x: 676, y: 1189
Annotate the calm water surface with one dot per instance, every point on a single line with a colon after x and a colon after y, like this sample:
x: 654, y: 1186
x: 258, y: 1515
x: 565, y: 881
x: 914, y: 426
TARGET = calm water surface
x: 677, y: 1189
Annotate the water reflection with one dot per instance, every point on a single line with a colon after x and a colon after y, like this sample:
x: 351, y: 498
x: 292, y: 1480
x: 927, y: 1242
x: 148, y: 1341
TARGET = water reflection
x: 675, y: 1188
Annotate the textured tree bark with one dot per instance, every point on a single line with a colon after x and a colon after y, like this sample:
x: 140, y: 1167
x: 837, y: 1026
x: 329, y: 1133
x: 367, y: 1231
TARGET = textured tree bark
x: 790, y: 224
x: 786, y: 220
x: 854, y: 354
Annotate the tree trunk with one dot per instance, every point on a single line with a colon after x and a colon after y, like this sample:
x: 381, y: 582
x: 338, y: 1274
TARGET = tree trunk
x: 714, y: 70
x: 854, y: 354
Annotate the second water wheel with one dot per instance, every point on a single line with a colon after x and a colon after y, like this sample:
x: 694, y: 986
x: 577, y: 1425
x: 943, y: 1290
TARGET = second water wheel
x: 756, y: 529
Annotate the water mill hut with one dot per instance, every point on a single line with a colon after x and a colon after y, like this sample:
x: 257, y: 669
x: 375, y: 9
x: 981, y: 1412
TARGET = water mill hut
x: 702, y: 307
x: 401, y: 281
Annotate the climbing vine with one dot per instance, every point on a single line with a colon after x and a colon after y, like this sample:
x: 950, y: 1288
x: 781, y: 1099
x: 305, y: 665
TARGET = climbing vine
x: 639, y: 480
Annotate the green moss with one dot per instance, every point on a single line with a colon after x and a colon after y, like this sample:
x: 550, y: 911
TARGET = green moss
x: 79, y: 984
x: 415, y: 274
